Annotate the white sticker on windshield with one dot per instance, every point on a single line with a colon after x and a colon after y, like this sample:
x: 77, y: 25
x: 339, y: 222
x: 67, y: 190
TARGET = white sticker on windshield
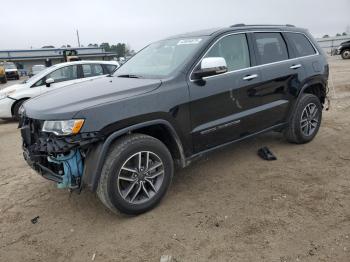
x: 189, y: 41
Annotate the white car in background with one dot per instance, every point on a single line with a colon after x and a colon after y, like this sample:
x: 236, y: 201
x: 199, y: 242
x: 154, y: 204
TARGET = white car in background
x: 36, y: 69
x: 56, y: 76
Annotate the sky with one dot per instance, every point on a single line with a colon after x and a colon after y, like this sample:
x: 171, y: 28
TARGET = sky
x: 35, y: 23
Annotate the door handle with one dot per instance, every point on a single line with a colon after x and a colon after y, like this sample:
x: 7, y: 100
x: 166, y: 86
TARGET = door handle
x: 250, y: 77
x: 295, y: 66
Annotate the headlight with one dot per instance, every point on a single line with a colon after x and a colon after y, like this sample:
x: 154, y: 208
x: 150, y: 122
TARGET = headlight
x: 340, y: 47
x: 63, y: 128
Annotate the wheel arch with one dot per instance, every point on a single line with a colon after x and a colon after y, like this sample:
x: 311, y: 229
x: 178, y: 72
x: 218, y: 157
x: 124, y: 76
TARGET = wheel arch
x: 16, y: 102
x: 160, y: 129
x: 317, y: 89
x: 314, y: 86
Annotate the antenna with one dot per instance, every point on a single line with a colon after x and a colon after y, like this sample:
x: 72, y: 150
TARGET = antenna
x: 78, y: 38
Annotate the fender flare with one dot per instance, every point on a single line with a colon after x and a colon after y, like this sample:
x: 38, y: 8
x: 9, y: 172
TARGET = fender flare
x: 310, y: 83
x: 97, y: 154
x: 301, y: 91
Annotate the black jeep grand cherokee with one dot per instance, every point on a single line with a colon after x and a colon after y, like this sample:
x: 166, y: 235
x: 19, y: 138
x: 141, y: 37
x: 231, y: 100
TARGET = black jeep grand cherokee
x: 172, y: 102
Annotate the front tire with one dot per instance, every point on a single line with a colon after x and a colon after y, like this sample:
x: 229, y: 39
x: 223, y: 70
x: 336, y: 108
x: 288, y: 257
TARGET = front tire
x: 345, y: 54
x: 305, y: 121
x: 17, y: 106
x: 136, y: 174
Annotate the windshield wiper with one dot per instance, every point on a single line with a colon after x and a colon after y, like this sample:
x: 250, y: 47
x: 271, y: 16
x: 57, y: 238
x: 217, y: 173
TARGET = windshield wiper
x: 129, y: 76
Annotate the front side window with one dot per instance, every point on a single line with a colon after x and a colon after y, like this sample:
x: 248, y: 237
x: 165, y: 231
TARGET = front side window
x: 64, y: 74
x: 110, y: 68
x: 162, y: 58
x: 40, y: 82
x: 271, y: 47
x: 92, y: 70
x: 234, y: 48
x: 301, y: 44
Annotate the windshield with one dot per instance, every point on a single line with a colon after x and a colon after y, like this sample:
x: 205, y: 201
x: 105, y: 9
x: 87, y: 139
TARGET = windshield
x: 10, y: 66
x: 160, y: 59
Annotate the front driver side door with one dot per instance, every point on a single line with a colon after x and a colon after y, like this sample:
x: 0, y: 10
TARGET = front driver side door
x: 217, y: 110
x: 63, y: 76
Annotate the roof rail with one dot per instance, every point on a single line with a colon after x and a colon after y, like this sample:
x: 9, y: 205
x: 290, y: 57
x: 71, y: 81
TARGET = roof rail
x: 241, y: 25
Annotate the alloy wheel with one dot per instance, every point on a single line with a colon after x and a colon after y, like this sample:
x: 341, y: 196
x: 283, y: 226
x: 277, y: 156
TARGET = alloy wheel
x: 309, y: 119
x: 140, y: 177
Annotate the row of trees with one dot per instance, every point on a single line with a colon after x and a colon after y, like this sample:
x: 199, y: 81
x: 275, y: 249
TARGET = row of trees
x: 121, y: 49
x: 338, y: 34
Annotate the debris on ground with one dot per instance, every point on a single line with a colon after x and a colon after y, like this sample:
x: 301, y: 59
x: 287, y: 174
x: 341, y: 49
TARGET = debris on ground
x: 266, y: 154
x: 35, y: 220
x: 165, y: 258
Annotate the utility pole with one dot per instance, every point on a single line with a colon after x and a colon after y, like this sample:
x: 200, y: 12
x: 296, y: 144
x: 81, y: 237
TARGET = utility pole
x: 78, y: 38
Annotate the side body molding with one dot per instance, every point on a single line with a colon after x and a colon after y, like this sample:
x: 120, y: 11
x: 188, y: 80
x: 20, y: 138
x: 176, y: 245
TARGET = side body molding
x: 96, y: 155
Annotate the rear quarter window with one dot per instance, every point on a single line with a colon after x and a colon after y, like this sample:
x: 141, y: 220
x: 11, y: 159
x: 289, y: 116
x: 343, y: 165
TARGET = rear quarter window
x: 301, y: 44
x: 90, y: 70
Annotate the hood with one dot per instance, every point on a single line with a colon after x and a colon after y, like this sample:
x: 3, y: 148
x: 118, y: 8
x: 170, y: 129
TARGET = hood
x: 9, y: 89
x: 11, y: 70
x: 65, y: 102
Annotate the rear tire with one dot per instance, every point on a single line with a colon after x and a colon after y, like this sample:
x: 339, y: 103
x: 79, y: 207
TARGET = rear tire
x: 345, y: 54
x: 305, y: 121
x: 4, y: 80
x: 130, y: 185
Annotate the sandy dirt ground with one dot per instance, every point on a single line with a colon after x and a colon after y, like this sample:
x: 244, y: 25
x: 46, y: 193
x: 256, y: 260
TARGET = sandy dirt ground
x: 229, y: 206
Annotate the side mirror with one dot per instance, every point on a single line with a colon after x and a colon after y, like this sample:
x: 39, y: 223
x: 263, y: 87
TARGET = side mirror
x: 211, y: 66
x: 49, y: 81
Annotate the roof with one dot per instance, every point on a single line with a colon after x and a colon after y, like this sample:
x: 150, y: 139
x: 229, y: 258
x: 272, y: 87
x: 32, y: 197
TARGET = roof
x: 237, y: 27
x: 51, y: 53
x: 50, y: 49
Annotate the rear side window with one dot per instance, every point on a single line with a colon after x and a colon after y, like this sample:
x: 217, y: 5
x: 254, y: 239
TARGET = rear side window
x: 92, y: 70
x: 234, y: 48
x: 301, y: 44
x: 271, y: 47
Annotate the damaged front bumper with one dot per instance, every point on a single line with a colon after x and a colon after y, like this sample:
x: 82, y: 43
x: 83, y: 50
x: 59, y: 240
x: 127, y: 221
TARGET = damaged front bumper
x: 57, y: 158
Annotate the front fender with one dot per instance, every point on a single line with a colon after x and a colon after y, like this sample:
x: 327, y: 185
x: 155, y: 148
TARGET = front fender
x: 96, y: 155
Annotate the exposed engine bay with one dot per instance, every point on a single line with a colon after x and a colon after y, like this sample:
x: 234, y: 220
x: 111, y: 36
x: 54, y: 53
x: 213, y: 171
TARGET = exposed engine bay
x: 57, y: 158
